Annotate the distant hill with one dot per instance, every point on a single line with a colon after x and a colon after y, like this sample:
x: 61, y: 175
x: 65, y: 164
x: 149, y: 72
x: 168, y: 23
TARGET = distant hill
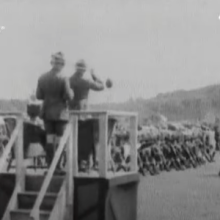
x: 198, y: 104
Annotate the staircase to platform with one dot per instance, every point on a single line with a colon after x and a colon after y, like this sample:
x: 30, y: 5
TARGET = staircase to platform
x: 27, y: 199
x: 46, y: 197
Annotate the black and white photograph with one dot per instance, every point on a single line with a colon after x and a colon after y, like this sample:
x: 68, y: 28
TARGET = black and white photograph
x: 109, y: 110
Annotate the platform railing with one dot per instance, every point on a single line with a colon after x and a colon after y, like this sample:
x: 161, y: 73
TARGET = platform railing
x: 104, y: 151
x: 16, y: 140
x: 70, y: 141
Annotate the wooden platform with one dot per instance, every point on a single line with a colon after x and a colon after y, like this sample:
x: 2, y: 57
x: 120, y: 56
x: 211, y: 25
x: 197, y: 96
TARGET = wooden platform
x: 94, y: 198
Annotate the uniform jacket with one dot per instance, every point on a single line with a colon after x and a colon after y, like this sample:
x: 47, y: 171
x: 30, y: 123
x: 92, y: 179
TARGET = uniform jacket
x: 55, y: 91
x: 81, y: 87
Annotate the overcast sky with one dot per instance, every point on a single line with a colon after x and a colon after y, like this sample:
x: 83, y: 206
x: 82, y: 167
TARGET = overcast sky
x: 145, y: 46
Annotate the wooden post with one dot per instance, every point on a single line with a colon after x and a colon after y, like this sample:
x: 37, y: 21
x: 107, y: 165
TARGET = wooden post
x: 133, y: 142
x: 69, y: 174
x: 103, y: 151
x: 20, y: 169
x: 74, y: 122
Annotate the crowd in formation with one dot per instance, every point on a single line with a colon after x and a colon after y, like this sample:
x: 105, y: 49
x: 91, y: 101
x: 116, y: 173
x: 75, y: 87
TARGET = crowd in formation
x: 168, y: 150
x: 178, y: 152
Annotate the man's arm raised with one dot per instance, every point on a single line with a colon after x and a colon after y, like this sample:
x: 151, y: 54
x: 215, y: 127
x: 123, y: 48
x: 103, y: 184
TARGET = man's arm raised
x: 96, y: 84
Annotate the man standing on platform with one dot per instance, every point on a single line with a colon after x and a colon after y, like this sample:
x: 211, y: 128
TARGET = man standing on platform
x: 82, y: 86
x: 55, y: 91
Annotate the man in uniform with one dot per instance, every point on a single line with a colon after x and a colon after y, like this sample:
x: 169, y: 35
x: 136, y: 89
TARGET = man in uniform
x: 55, y: 91
x: 81, y: 86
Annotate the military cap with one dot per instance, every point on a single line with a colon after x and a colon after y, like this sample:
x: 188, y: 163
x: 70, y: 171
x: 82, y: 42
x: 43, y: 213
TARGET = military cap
x: 58, y: 57
x: 81, y: 64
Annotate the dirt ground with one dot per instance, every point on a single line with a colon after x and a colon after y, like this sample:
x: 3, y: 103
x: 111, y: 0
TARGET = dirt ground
x: 192, y: 194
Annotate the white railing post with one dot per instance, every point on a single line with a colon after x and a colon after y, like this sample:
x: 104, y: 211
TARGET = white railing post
x: 36, y: 208
x: 74, y: 121
x: 19, y: 156
x: 103, y: 151
x: 69, y: 173
x: 133, y: 142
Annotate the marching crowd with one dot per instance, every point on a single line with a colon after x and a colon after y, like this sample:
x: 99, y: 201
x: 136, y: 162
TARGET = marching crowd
x: 175, y: 151
x: 168, y: 150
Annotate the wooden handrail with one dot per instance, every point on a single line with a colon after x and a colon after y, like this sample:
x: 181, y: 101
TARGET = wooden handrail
x: 19, y: 152
x: 35, y: 210
x: 59, y: 209
x: 10, y: 145
x: 91, y: 112
x: 110, y: 113
x: 16, y: 114
x: 17, y: 141
x: 122, y: 114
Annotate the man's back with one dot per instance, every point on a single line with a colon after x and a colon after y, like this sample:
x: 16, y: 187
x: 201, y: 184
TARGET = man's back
x: 51, y: 89
x: 81, y: 87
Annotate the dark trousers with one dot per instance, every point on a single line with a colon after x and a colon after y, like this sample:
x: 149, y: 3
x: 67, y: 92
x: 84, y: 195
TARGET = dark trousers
x: 57, y: 129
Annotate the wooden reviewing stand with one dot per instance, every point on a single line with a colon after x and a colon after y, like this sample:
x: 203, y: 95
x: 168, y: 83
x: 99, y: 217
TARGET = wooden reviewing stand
x: 105, y: 195
x: 97, y: 195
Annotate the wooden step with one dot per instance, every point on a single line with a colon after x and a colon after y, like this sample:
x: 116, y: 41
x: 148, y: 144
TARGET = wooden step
x: 26, y: 200
x: 34, y: 183
x: 23, y: 214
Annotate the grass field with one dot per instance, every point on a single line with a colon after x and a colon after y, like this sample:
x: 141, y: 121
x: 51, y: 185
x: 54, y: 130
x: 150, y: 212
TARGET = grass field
x: 185, y: 195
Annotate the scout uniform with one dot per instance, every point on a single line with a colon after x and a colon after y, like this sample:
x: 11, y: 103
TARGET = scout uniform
x: 54, y: 90
x: 82, y: 86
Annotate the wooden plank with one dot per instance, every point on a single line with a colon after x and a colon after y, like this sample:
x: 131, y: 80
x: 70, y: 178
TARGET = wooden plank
x: 11, y: 114
x: 35, y: 210
x: 8, y: 147
x: 69, y: 167
x: 12, y: 203
x: 122, y: 114
x: 103, y: 151
x: 74, y: 122
x: 20, y: 170
x: 81, y: 112
x: 133, y: 143
x: 110, y: 113
x: 58, y: 211
x: 123, y: 179
x: 93, y: 174
x: 75, y: 169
